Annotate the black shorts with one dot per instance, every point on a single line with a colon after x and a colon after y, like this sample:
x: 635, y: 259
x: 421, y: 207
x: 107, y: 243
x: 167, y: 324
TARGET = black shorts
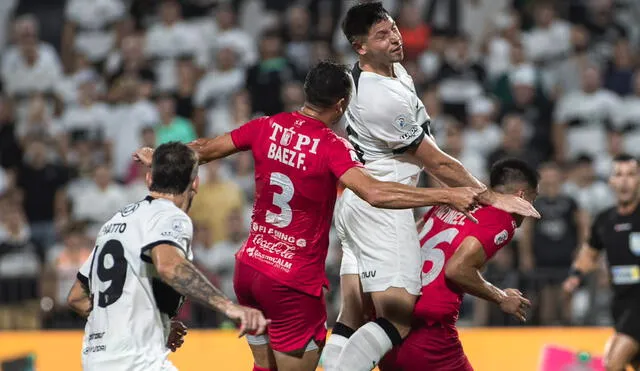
x: 626, y: 317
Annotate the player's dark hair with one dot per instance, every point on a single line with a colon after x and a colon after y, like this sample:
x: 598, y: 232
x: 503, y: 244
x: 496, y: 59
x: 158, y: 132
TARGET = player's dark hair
x: 361, y: 17
x: 326, y: 84
x: 625, y: 157
x: 510, y: 171
x: 173, y: 168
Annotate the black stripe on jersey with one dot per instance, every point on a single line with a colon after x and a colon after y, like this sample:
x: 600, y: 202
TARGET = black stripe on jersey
x: 149, y: 198
x: 411, y: 145
x: 168, y: 300
x: 355, y: 72
x: 426, y: 126
x: 147, y: 259
x: 84, y: 280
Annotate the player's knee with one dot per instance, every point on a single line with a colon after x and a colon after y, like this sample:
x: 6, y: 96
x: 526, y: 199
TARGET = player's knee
x: 394, y: 332
x: 613, y: 363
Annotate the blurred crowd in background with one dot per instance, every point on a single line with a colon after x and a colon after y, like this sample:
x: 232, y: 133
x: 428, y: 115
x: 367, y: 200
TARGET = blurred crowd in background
x: 84, y: 83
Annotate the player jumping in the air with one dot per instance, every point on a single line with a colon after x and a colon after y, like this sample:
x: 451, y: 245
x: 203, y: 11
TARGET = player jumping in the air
x: 389, y: 128
x: 298, y: 163
x: 454, y: 251
x: 136, y: 278
x: 616, y: 231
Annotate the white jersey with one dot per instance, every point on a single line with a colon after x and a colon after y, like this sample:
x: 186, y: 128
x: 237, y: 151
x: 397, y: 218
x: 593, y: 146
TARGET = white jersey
x: 130, y: 322
x: 384, y: 119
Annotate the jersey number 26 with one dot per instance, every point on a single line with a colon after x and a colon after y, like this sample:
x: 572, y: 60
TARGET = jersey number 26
x: 431, y: 253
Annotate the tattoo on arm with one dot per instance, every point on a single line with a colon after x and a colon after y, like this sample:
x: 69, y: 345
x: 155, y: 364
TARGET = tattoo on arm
x: 190, y: 282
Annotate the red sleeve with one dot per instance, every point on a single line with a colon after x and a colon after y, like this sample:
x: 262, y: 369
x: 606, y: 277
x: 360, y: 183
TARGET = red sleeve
x: 342, y: 157
x: 244, y: 136
x: 494, y: 230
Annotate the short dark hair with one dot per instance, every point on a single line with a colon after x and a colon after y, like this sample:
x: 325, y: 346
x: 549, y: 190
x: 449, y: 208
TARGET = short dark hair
x: 361, y: 17
x: 173, y: 168
x: 583, y: 159
x: 509, y: 171
x: 625, y: 157
x: 326, y: 84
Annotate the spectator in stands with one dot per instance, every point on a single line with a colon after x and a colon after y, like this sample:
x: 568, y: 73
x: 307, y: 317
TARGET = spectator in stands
x: 217, y: 198
x: 568, y: 74
x: 514, y: 143
x: 42, y: 183
x: 185, y: 91
x: 292, y: 96
x: 454, y: 146
x: 136, y: 183
x: 265, y: 79
x: 90, y: 28
x: 548, y: 245
x: 298, y: 38
x: 80, y: 72
x: 63, y: 263
x: 582, y: 118
x: 19, y: 270
x: 129, y: 60
x: 30, y: 66
x: 482, y: 135
x: 627, y: 119
x: 605, y: 30
x: 97, y: 202
x: 591, y: 194
x: 172, y: 127
x: 497, y: 47
x: 215, y: 90
x: 619, y: 71
x: 10, y: 150
x: 414, y: 30
x: 38, y: 122
x: 603, y: 163
x: 550, y: 39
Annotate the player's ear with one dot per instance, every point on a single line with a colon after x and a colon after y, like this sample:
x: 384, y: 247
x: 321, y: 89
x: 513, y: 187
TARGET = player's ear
x: 195, y: 184
x: 359, y: 47
x: 148, y: 179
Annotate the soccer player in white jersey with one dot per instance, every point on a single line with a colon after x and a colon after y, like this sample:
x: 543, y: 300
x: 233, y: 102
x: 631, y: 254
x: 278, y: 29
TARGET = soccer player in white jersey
x: 389, y: 128
x: 137, y: 276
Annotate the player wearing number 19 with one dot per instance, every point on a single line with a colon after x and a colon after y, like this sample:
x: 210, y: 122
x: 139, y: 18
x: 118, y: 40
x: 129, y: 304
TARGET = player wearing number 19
x: 139, y: 272
x: 298, y: 161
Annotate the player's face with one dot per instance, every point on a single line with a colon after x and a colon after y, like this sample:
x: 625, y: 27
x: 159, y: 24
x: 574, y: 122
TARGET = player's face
x: 383, y: 44
x: 624, y: 180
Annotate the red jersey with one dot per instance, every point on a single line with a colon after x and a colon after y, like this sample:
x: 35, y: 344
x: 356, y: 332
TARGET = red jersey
x: 443, y: 231
x: 298, y: 161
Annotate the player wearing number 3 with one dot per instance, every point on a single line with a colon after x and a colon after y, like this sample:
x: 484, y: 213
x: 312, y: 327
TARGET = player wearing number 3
x: 135, y: 279
x: 298, y: 163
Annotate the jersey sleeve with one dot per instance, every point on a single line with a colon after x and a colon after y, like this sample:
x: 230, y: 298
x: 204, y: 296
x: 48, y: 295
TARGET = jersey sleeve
x: 244, y: 136
x: 392, y: 119
x: 172, y: 228
x: 494, y: 230
x: 342, y: 157
x: 595, y: 241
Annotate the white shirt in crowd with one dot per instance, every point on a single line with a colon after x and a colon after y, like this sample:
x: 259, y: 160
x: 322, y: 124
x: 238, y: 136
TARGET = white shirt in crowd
x: 94, y: 20
x: 548, y: 44
x: 482, y: 141
x: 214, y: 92
x: 236, y: 38
x: 92, y: 119
x: 628, y: 120
x: 219, y: 259
x: 594, y: 198
x: 97, y: 205
x: 586, y: 117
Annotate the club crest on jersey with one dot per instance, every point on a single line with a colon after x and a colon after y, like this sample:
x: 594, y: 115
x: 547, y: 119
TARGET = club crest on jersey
x: 501, y: 237
x: 400, y: 122
x: 634, y: 243
x: 287, y: 135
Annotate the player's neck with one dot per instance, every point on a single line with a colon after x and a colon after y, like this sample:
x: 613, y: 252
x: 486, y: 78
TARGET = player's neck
x: 628, y: 208
x: 316, y: 113
x: 178, y: 200
x: 383, y: 69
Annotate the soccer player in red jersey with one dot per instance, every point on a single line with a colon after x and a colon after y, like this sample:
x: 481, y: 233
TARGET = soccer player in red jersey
x: 298, y: 163
x: 454, y: 251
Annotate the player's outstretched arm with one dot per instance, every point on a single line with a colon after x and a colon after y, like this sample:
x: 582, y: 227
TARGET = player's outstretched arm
x: 208, y: 149
x: 79, y: 299
x: 186, y: 279
x: 391, y: 195
x: 585, y: 263
x: 463, y: 269
x: 450, y: 171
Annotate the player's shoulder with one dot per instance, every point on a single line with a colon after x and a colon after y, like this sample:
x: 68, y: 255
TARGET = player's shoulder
x: 489, y: 215
x: 155, y: 210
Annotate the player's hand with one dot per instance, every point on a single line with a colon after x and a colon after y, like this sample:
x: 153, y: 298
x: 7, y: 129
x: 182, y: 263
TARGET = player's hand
x: 144, y: 156
x: 515, y: 304
x: 570, y: 285
x: 176, y: 335
x: 251, y: 320
x: 514, y: 205
x: 464, y: 199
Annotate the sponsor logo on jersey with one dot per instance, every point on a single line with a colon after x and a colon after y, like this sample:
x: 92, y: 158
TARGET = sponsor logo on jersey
x: 625, y: 274
x: 400, y: 122
x: 501, y: 237
x: 368, y: 274
x: 414, y: 132
x: 129, y: 209
x: 634, y: 243
x: 622, y: 227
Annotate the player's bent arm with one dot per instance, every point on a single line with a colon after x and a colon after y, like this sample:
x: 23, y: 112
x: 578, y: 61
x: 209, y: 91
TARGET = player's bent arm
x: 186, y: 279
x: 79, y: 299
x: 391, y: 195
x: 463, y: 269
x: 209, y: 149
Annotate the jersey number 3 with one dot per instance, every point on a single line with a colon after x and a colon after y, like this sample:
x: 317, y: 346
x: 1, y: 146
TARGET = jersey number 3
x: 112, y: 267
x: 281, y: 200
x: 431, y: 253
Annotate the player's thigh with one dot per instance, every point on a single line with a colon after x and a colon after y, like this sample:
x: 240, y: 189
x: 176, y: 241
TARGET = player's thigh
x: 305, y: 360
x: 353, y: 306
x: 396, y: 305
x: 621, y: 351
x: 262, y: 353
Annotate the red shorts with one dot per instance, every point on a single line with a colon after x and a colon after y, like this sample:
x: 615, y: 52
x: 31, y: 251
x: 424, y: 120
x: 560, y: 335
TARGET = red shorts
x: 435, y: 346
x: 296, y: 317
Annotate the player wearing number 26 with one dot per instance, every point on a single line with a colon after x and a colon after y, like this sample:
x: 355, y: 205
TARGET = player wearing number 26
x: 298, y: 162
x: 454, y: 251
x: 136, y: 278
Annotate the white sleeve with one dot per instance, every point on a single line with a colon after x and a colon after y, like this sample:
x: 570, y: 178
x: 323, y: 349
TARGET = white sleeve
x: 174, y: 228
x: 392, y: 119
x: 85, y: 270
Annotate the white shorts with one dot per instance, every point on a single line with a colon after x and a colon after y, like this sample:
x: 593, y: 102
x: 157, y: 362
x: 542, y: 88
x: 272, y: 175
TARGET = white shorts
x: 380, y: 245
